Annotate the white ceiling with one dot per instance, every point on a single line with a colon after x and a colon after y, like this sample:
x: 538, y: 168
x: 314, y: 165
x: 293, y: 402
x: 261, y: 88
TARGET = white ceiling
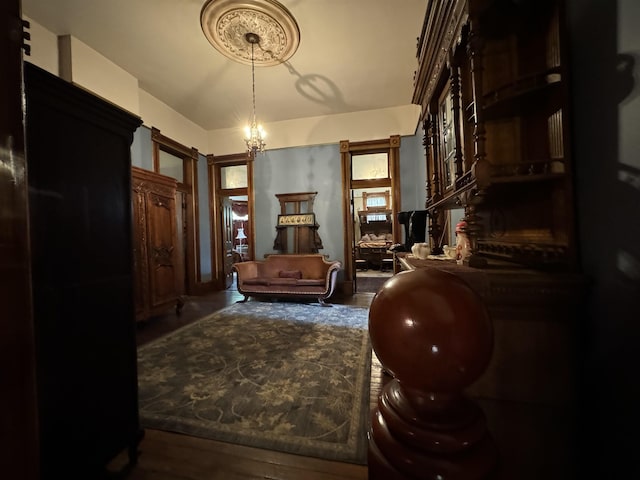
x: 354, y: 55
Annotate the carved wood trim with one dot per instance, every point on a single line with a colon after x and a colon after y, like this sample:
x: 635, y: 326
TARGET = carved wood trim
x: 434, y: 45
x: 216, y: 193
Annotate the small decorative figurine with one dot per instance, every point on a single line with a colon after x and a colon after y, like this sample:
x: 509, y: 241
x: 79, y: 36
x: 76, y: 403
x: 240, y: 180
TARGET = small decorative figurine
x: 463, y: 246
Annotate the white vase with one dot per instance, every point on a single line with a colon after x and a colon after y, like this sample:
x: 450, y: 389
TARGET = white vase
x: 420, y: 250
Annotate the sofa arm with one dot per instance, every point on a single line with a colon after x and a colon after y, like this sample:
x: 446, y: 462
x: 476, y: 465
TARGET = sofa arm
x: 331, y: 279
x: 333, y: 267
x: 246, y: 269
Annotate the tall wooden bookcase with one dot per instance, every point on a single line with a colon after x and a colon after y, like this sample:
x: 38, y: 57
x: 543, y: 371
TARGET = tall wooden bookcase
x: 79, y: 177
x: 492, y: 83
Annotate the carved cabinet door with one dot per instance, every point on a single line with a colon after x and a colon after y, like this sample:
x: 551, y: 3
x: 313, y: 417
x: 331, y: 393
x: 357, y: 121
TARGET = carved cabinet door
x: 162, y: 234
x: 141, y: 282
x: 158, y: 271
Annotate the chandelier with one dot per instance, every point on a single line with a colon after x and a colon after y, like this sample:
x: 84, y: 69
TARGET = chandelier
x: 229, y: 25
x: 254, y: 133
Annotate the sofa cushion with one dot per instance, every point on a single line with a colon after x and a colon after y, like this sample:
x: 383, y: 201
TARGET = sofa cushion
x: 256, y: 281
x: 290, y: 274
x: 271, y: 281
x: 282, y: 281
x: 310, y: 282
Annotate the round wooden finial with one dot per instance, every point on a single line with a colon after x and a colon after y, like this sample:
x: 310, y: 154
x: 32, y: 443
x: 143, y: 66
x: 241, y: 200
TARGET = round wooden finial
x: 432, y: 332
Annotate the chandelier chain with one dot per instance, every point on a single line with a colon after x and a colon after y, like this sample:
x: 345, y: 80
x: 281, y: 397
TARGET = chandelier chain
x: 255, y: 133
x: 253, y: 83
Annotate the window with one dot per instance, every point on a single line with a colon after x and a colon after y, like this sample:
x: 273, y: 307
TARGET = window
x: 234, y: 176
x: 171, y: 165
x: 376, y: 205
x: 447, y: 145
x: 370, y: 166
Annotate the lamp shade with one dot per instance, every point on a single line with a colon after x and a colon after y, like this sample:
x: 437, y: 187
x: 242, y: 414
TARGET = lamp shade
x: 240, y: 234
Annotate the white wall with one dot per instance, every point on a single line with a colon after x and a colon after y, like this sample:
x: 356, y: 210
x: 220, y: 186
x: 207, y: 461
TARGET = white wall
x: 83, y: 66
x: 329, y: 129
x: 172, y: 124
x: 71, y: 59
x: 44, y: 47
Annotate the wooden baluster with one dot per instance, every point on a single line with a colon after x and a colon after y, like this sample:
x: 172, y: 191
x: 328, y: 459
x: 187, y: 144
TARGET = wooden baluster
x: 426, y: 143
x: 435, y: 230
x: 434, y: 193
x: 455, y: 103
x: 433, y: 334
x: 473, y: 228
x: 432, y: 156
x: 481, y: 167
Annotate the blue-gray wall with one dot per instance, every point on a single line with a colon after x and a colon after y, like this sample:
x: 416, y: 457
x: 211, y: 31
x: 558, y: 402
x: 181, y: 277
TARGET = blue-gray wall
x: 300, y: 169
x: 142, y: 149
x: 292, y: 170
x: 318, y: 169
x: 413, y: 173
x: 204, y: 216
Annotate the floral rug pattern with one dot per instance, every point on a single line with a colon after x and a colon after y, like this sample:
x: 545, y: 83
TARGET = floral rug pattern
x: 292, y: 377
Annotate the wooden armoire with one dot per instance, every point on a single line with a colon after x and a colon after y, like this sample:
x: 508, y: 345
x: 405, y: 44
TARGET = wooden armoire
x: 79, y: 178
x: 158, y: 273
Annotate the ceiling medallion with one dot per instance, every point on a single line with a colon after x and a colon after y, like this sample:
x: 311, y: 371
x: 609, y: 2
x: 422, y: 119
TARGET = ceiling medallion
x: 225, y: 23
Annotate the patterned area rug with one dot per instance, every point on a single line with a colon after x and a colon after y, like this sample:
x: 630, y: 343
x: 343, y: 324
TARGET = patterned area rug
x: 291, y: 377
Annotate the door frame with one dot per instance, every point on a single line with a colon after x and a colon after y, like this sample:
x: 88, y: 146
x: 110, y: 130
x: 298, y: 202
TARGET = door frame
x: 189, y: 188
x: 390, y: 146
x: 216, y: 194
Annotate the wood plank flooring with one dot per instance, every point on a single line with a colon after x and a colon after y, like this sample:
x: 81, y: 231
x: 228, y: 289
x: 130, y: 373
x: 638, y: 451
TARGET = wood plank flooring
x: 534, y: 441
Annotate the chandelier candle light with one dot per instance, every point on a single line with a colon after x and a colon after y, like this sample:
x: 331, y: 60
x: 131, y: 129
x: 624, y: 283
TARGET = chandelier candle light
x: 254, y: 134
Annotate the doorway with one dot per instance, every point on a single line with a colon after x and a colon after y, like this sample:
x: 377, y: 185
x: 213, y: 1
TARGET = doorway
x: 371, y: 194
x: 231, y: 206
x: 373, y: 235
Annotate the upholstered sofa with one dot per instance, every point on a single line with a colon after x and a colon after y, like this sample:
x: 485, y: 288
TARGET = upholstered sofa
x: 288, y: 275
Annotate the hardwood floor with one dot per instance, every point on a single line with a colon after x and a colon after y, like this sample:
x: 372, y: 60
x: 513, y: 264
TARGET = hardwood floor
x: 534, y: 441
x: 172, y: 456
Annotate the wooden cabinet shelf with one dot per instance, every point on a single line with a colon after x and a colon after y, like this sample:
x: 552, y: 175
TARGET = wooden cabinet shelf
x: 523, y: 96
x: 536, y: 254
x: 540, y: 171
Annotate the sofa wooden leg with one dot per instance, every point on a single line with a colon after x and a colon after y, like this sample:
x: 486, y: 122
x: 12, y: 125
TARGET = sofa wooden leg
x: 243, y: 300
x: 323, y: 303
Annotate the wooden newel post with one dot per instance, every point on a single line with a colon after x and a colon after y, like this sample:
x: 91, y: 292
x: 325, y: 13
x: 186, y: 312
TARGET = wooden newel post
x: 433, y: 334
